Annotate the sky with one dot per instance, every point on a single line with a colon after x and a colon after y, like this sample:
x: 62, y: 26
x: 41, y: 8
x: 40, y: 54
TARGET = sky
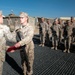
x: 39, y: 8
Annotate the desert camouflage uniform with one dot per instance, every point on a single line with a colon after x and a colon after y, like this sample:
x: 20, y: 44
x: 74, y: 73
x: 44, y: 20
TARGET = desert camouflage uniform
x: 49, y: 33
x: 27, y: 36
x: 49, y: 30
x: 5, y: 34
x: 73, y: 35
x: 43, y: 29
x: 68, y: 37
x: 55, y: 35
x: 61, y: 32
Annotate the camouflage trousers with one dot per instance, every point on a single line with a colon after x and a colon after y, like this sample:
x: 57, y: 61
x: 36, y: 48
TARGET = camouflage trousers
x: 67, y: 42
x: 47, y: 39
x: 61, y: 36
x: 30, y: 55
x: 54, y: 41
x: 1, y: 67
x: 42, y: 38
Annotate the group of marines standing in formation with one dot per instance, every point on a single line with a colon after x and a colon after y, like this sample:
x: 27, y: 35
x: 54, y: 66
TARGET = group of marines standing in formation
x: 57, y: 31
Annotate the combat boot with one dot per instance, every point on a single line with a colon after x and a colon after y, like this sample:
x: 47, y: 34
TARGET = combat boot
x: 52, y: 47
x: 55, y: 48
x: 42, y: 45
x: 68, y: 51
x: 65, y: 50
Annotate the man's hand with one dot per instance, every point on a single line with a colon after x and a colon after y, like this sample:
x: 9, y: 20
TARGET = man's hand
x: 17, y: 45
x: 12, y: 51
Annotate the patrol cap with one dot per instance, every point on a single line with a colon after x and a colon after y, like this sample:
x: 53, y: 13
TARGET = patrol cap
x: 1, y: 14
x: 23, y: 14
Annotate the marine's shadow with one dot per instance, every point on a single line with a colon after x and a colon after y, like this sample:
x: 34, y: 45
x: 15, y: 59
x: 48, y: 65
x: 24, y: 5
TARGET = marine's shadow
x: 13, y: 64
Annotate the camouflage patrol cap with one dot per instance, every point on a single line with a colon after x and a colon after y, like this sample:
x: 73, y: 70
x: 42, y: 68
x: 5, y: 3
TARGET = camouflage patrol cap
x: 23, y: 14
x: 1, y: 14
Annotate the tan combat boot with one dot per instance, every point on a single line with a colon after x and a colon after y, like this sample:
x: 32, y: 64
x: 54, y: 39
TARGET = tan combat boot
x: 65, y: 50
x: 52, y: 47
x: 68, y: 51
x: 42, y: 45
x: 55, y: 48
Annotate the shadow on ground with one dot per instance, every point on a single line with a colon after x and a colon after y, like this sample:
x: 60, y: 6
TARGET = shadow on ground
x: 13, y: 64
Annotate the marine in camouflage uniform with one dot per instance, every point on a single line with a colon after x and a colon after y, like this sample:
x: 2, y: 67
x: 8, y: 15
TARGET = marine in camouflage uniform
x: 61, y: 32
x: 55, y: 34
x: 73, y: 24
x: 27, y: 32
x: 43, y: 27
x: 68, y: 37
x: 49, y: 32
x: 5, y: 34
